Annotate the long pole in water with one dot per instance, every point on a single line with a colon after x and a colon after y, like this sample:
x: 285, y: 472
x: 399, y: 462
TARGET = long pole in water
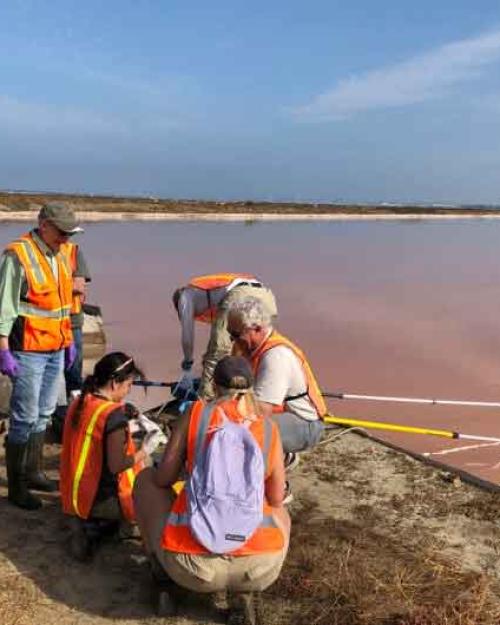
x: 374, y: 425
x: 413, y: 400
x: 148, y: 383
x: 408, y: 429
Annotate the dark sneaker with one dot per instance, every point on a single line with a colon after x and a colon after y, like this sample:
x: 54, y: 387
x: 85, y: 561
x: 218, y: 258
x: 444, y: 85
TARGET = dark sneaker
x: 241, y: 609
x: 291, y: 460
x: 163, y: 590
x: 80, y: 544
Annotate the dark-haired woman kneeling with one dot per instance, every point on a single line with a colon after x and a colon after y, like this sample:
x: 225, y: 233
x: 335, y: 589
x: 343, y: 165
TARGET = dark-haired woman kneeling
x: 99, y: 460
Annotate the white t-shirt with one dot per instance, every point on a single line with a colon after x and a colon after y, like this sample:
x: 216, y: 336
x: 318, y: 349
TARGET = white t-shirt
x: 280, y: 374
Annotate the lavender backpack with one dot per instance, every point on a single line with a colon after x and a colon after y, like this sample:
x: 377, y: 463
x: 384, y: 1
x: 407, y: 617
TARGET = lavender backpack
x: 225, y: 491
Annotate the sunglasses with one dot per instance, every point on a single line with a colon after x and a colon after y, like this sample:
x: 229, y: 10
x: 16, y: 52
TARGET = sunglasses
x: 234, y: 335
x: 61, y: 233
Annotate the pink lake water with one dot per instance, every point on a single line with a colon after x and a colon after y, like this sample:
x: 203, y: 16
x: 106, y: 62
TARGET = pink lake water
x: 386, y: 308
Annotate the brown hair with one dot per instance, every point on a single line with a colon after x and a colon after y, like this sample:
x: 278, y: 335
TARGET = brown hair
x: 115, y: 366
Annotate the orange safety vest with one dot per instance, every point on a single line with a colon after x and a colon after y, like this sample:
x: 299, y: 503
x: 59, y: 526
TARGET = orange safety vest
x: 45, y: 309
x: 177, y: 534
x: 313, y: 391
x: 217, y: 281
x: 71, y: 252
x: 82, y: 457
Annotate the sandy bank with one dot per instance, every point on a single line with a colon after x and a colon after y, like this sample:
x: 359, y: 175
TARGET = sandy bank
x: 97, y: 216
x: 396, y: 540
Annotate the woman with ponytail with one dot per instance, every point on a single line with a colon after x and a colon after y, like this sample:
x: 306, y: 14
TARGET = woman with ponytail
x: 99, y: 461
x: 183, y: 534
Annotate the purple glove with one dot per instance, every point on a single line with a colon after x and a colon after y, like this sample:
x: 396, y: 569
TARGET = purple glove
x: 69, y: 356
x: 8, y: 364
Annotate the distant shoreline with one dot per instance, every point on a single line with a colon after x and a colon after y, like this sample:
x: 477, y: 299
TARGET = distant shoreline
x: 20, y: 206
x: 103, y: 216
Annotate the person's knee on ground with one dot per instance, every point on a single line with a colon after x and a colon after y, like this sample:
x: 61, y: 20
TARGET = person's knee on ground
x: 298, y: 434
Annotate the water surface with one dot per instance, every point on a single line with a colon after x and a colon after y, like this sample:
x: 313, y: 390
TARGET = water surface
x: 391, y: 308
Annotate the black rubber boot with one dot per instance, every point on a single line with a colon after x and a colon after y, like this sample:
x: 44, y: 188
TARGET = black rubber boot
x: 34, y: 465
x: 19, y: 494
x: 241, y: 609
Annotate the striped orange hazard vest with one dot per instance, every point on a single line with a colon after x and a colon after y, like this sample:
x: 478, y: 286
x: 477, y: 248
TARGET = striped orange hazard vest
x: 70, y: 250
x: 177, y: 535
x: 45, y: 310
x: 82, y: 457
x: 313, y: 391
x: 217, y: 281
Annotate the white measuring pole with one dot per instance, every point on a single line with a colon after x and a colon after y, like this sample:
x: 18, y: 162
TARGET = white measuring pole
x: 414, y: 400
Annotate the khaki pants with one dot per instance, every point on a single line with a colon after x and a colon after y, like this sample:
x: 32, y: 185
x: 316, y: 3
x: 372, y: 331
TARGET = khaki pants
x: 219, y: 344
x: 213, y: 573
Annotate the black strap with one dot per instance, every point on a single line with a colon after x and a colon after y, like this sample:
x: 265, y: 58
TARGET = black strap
x: 257, y: 285
x: 292, y: 397
x: 209, y: 303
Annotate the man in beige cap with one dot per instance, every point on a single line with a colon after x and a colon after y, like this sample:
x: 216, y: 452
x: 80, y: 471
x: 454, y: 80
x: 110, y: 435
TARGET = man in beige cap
x: 36, y: 342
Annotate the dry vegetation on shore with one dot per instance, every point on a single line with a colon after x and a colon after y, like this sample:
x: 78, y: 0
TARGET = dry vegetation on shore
x: 31, y: 202
x: 378, y: 539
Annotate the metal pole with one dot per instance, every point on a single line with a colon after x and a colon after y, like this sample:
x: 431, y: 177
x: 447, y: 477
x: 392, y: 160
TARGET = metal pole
x: 408, y: 429
x: 149, y: 383
x: 414, y: 400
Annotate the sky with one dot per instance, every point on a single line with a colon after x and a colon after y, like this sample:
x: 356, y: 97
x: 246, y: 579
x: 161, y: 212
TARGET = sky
x: 321, y: 101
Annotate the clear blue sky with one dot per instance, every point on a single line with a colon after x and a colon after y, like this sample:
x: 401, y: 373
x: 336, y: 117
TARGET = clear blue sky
x: 363, y: 100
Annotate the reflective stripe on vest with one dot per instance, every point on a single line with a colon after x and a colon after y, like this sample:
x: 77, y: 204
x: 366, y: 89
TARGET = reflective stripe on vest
x: 177, y: 535
x: 82, y: 458
x: 313, y: 391
x: 214, y: 281
x: 38, y: 274
x: 45, y: 308
x: 70, y: 251
x: 29, y: 310
x: 126, y: 481
x: 85, y: 451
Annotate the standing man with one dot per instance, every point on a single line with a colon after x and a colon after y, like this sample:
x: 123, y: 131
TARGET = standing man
x: 208, y: 299
x: 285, y: 386
x: 36, y: 342
x: 81, y: 275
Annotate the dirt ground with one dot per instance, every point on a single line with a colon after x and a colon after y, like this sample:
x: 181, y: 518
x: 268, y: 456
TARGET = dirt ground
x: 378, y: 539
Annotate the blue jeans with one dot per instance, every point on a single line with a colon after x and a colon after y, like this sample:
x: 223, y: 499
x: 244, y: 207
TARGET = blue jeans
x: 296, y: 433
x: 73, y: 375
x: 34, y: 393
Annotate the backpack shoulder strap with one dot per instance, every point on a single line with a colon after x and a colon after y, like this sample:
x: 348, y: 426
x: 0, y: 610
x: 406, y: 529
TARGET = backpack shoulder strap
x: 202, y: 432
x: 268, y: 433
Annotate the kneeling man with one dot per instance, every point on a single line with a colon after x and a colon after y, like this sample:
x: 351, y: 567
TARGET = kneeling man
x: 284, y: 382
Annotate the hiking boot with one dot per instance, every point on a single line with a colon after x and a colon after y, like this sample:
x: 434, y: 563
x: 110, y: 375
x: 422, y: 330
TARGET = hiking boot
x: 34, y: 465
x: 19, y: 495
x: 241, y: 609
x: 291, y: 460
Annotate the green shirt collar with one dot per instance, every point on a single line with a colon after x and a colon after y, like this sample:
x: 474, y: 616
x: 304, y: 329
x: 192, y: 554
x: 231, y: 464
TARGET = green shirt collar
x: 41, y: 243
